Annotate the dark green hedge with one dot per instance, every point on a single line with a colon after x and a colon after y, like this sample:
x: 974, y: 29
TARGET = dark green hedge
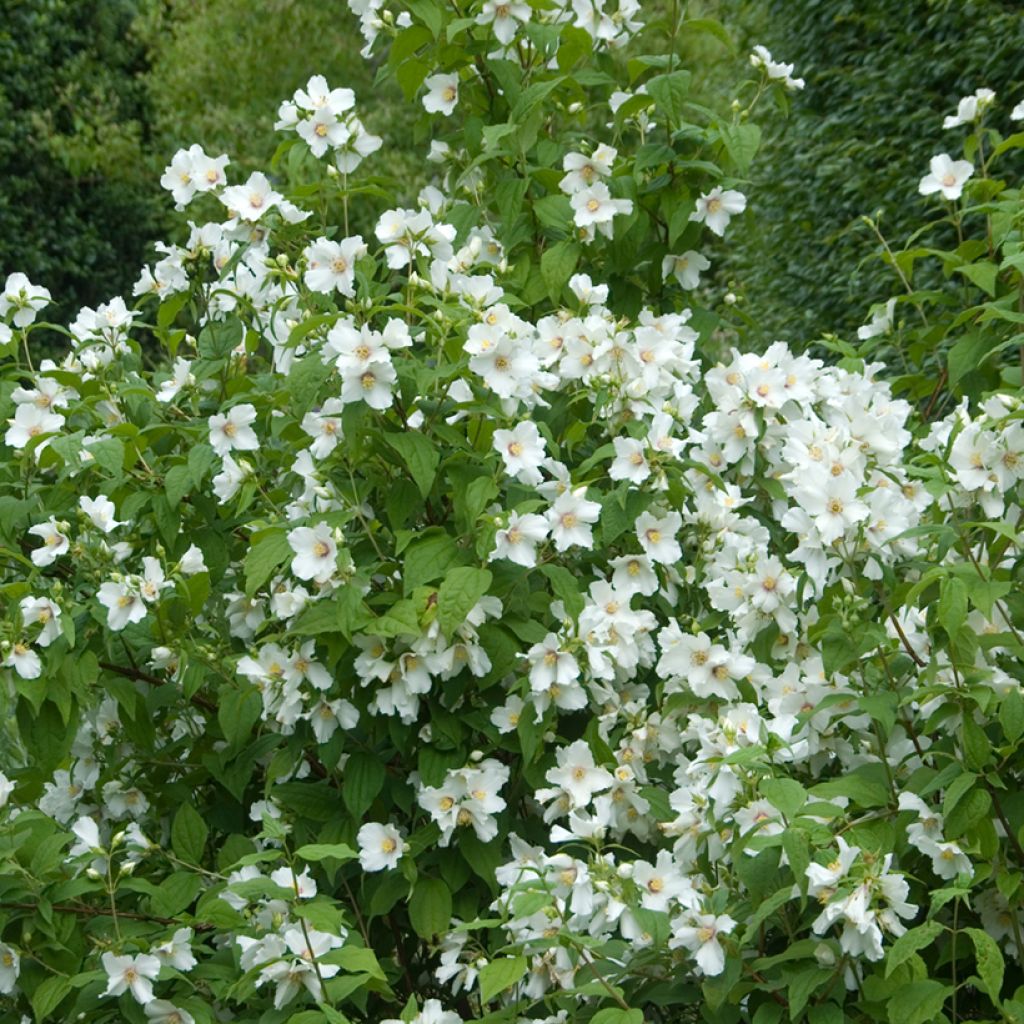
x: 881, y: 74
x: 77, y: 207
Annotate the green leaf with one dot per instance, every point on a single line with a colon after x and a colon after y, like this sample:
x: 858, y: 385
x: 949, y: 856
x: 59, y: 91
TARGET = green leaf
x: 419, y: 455
x: 324, y: 851
x: 428, y: 559
x: 460, y: 591
x: 268, y: 550
x: 615, y: 1015
x: 362, y: 779
x: 566, y: 587
x: 499, y: 975
x: 802, y: 986
x: 966, y: 356
x: 188, y: 834
x: 711, y: 27
x: 952, y: 610
x: 1011, y: 715
x: 49, y: 994
x: 430, y: 907
x: 430, y: 13
x: 177, y: 483
x: 175, y: 893
x: 787, y: 795
x: 983, y: 274
x: 109, y: 454
x: 859, y: 787
x: 967, y: 813
x: 910, y: 942
x: 975, y: 744
x: 917, y: 1002
x: 557, y: 265
x: 669, y: 93
x: 990, y: 962
x: 358, y: 960
x: 741, y: 142
x: 239, y: 710
x: 401, y: 619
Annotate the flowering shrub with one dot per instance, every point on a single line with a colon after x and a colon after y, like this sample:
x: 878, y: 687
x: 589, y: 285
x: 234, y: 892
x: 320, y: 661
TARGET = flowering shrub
x: 453, y: 627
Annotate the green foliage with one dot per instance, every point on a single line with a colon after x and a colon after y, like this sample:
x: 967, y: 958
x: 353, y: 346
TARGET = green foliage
x: 77, y: 199
x: 457, y: 639
x: 880, y: 76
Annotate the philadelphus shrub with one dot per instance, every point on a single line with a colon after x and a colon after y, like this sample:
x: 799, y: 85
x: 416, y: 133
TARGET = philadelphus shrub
x: 414, y: 608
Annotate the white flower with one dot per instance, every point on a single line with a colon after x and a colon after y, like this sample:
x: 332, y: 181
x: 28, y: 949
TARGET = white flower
x: 432, y: 1013
x: 331, y: 265
x: 232, y: 431
x: 569, y: 519
x: 123, y: 605
x: 370, y: 384
x: 6, y: 789
x: 251, y: 200
x: 181, y: 377
x: 10, y: 968
x: 1017, y: 114
x: 131, y: 973
x: 505, y: 717
x: 324, y: 426
x: 380, y: 846
x: 658, y: 537
x: 630, y: 461
x: 55, y: 543
x: 762, y: 58
x: 316, y: 552
x: 304, y: 886
x: 523, y: 450
x: 519, y: 539
x: 24, y: 297
x: 503, y: 14
x: 970, y: 108
x: 881, y: 321
x: 685, y: 268
x: 192, y: 561
x: 191, y: 171
x: 595, y: 207
x: 701, y: 939
x: 100, y: 511
x: 582, y: 171
x: 227, y: 482
x: 947, y: 176
x: 29, y: 422
x: 577, y: 774
x: 442, y: 94
x: 161, y: 1011
x: 550, y: 665
x: 176, y: 952
x: 24, y: 661
x: 716, y: 207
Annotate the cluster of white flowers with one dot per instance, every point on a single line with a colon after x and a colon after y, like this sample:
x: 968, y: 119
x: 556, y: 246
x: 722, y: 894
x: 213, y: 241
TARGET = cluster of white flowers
x: 468, y: 797
x: 761, y: 58
x: 399, y: 674
x: 592, y: 202
x: 608, y: 22
x: 325, y: 119
x: 721, y: 504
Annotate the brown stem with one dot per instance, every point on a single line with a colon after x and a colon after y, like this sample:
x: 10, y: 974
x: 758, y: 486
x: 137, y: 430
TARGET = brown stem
x: 906, y: 643
x: 145, y: 677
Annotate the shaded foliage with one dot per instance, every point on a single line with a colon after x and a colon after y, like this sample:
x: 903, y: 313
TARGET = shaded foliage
x: 880, y: 76
x: 77, y: 205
